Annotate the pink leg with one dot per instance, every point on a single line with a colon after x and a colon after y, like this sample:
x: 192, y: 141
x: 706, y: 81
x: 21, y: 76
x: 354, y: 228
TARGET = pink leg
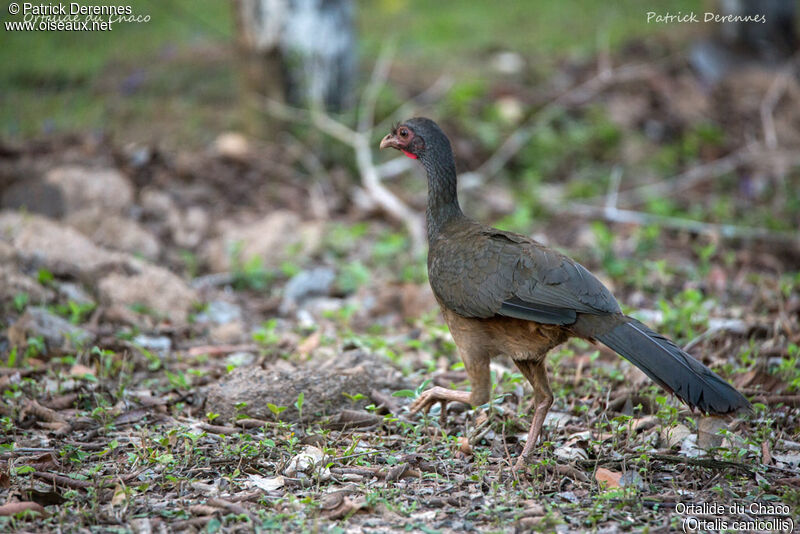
x: 536, y: 373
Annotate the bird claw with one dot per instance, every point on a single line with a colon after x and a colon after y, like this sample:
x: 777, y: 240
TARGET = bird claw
x: 427, y: 399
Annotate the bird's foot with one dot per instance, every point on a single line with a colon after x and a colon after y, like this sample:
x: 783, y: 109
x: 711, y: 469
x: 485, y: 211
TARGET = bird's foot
x: 429, y: 397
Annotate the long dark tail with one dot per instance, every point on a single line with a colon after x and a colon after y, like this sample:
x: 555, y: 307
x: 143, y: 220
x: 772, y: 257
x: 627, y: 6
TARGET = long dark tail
x: 673, y: 369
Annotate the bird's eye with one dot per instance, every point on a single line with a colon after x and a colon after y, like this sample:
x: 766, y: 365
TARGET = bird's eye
x: 403, y: 132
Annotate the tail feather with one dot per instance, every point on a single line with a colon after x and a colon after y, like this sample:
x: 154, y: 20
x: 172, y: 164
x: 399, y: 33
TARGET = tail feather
x: 673, y: 369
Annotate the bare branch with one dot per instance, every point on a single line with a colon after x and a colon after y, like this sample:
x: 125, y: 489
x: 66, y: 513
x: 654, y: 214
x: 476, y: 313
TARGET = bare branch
x: 360, y: 142
x: 774, y: 94
x: 395, y: 167
x: 366, y: 111
x: 747, y: 155
x: 578, y: 95
x: 688, y: 179
x: 613, y: 187
x: 318, y: 118
x: 431, y: 94
x: 729, y: 231
x: 392, y: 205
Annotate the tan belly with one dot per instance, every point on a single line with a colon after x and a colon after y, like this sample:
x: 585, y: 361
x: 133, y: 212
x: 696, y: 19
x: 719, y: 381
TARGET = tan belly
x: 515, y: 338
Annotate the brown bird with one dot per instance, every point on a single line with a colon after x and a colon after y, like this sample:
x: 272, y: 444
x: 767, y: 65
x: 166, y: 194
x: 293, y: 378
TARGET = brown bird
x: 504, y: 293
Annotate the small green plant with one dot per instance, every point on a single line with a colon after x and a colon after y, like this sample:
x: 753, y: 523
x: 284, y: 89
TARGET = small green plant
x: 45, y: 277
x: 12, y: 357
x: 352, y: 276
x: 685, y: 315
x: 353, y: 398
x: 250, y: 273
x: 21, y: 302
x: 276, y: 410
x: 178, y: 380
x: 299, y: 404
x: 266, y: 335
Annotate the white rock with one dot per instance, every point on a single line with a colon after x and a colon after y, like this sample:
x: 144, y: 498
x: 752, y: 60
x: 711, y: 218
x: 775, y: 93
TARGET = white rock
x: 83, y: 187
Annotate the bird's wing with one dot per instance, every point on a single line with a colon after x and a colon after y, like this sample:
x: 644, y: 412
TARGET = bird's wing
x: 501, y: 273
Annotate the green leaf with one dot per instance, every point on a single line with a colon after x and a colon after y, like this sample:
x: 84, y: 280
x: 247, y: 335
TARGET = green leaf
x: 404, y: 393
x: 276, y: 410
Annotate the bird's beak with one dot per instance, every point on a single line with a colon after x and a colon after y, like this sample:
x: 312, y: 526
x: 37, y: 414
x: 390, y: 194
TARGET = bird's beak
x: 389, y: 141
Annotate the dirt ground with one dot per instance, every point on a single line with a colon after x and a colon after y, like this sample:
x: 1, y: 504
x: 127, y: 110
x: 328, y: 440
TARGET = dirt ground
x: 227, y: 339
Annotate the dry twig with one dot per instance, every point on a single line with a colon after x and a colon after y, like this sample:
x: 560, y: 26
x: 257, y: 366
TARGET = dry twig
x: 578, y: 95
x: 729, y: 231
x: 774, y: 94
x: 360, y: 141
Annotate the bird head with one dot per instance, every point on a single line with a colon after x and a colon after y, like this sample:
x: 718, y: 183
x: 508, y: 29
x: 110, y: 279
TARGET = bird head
x: 417, y: 138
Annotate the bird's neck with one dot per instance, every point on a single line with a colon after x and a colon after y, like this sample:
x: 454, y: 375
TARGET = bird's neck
x: 442, y: 195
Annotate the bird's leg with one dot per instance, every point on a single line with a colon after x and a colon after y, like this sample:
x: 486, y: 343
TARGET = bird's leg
x: 536, y: 373
x: 477, y: 366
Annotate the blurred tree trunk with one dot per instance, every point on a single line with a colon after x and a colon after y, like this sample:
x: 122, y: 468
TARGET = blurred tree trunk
x: 297, y: 51
x: 774, y: 40
x: 740, y: 45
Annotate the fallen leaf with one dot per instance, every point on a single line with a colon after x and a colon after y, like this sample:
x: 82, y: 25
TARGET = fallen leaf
x: 766, y: 455
x: 14, y: 508
x: 610, y: 478
x: 78, y: 370
x: 265, y: 483
x: 674, y: 436
x: 569, y: 454
x: 464, y: 446
x: 131, y: 416
x: 346, y: 507
x: 708, y: 435
x: 306, y: 462
x: 119, y: 496
x: 309, y: 344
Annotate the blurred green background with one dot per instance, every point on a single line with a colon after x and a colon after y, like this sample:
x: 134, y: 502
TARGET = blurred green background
x: 174, y: 78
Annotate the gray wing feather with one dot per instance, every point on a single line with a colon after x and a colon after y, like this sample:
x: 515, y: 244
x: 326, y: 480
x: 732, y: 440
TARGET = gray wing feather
x: 511, y: 275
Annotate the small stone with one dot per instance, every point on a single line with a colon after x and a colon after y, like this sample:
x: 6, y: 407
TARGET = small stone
x: 13, y: 283
x: 279, y: 236
x: 160, y: 344
x: 189, y: 228
x: 116, y: 232
x: 57, y: 332
x: 240, y: 359
x: 311, y: 283
x: 508, y: 62
x: 232, y: 145
x: 155, y: 288
x: 631, y: 479
x: 324, y: 381
x: 219, y: 312
x: 45, y: 244
x: 72, y: 292
x: 510, y: 109
x: 227, y: 333
x: 156, y: 203
x: 83, y: 187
